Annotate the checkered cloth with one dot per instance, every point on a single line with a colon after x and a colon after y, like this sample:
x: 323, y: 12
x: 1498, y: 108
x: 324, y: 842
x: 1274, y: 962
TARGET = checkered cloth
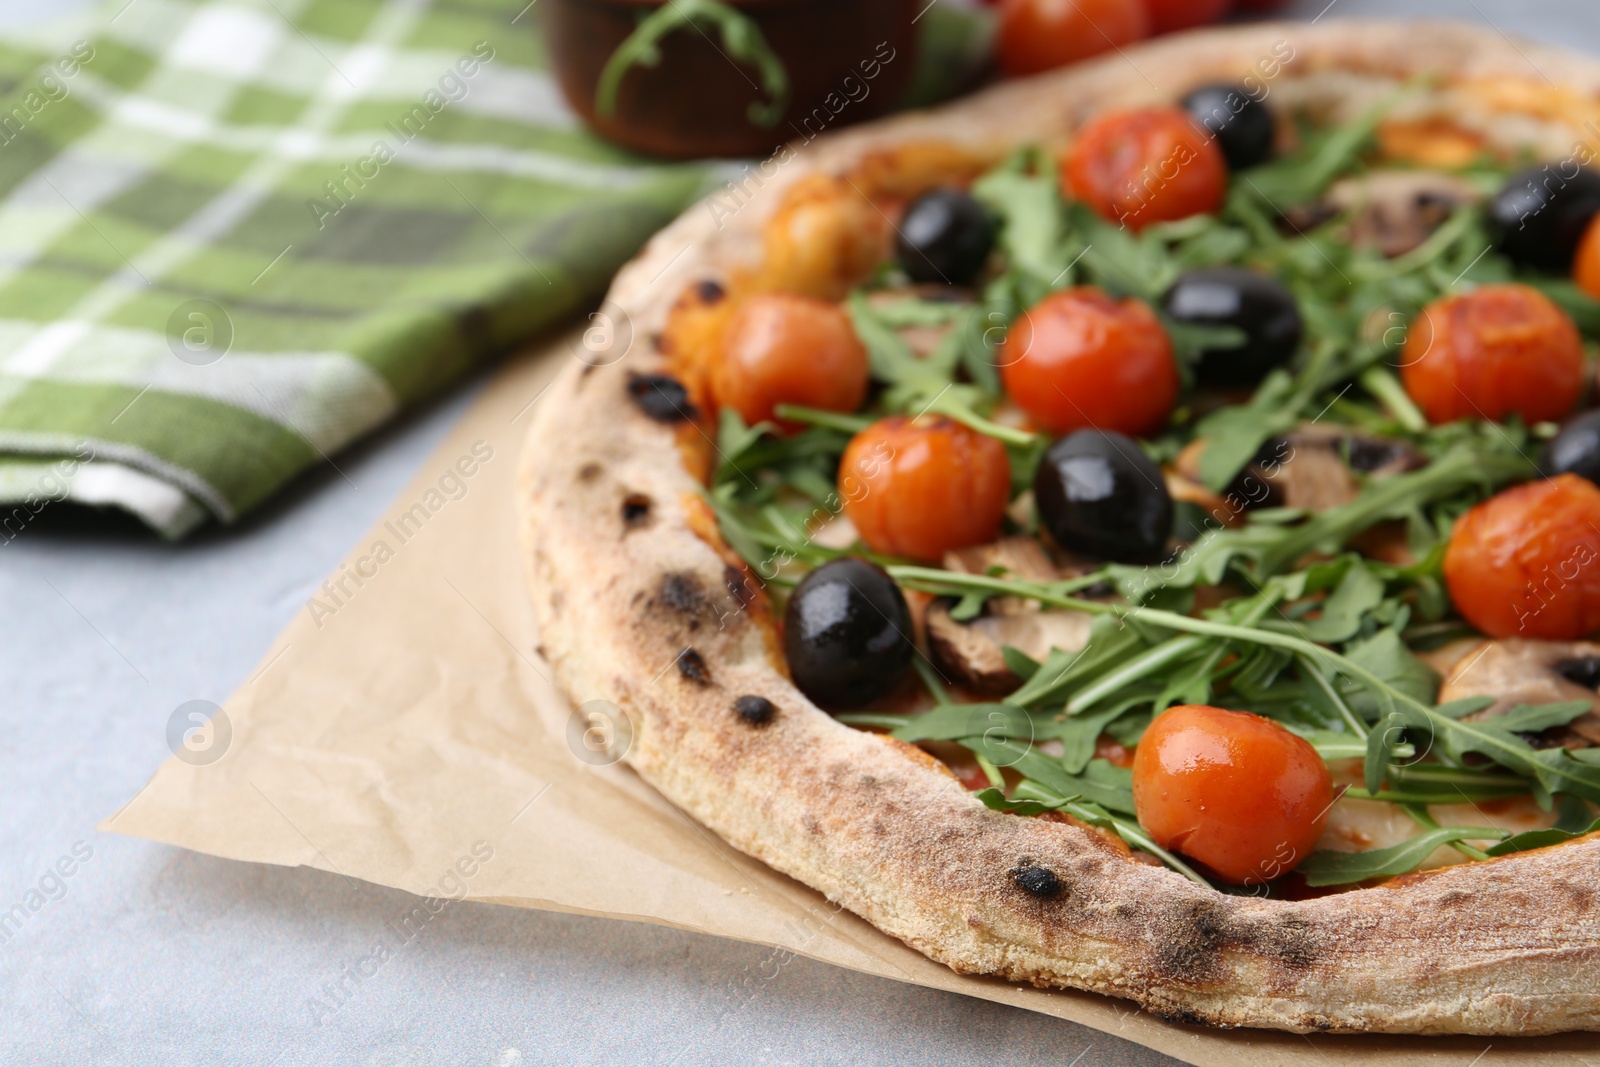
x: 234, y: 236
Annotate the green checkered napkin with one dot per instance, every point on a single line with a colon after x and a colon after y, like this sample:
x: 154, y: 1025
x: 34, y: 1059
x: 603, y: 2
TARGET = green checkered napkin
x: 236, y: 235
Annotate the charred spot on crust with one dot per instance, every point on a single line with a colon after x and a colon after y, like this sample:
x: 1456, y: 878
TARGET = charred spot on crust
x: 739, y: 585
x: 684, y: 594
x: 1292, y: 942
x: 635, y: 510
x: 662, y: 397
x: 588, y: 472
x: 1188, y: 951
x: 1037, y: 881
x: 710, y: 292
x: 757, y: 711
x: 693, y: 667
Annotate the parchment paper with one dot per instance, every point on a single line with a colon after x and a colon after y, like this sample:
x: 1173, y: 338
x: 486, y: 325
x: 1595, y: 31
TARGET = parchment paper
x: 403, y: 731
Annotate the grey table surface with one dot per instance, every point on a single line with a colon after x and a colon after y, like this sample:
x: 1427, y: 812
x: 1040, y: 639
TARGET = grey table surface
x: 152, y: 955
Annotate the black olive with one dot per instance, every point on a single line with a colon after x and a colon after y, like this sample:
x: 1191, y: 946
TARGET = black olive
x: 1254, y: 303
x: 846, y: 634
x: 1581, y: 670
x: 945, y: 236
x: 1098, y: 493
x: 1242, y: 125
x: 1539, y: 217
x: 1575, y: 450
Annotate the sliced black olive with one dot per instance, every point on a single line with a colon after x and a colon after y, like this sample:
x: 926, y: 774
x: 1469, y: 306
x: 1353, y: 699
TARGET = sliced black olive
x: 1242, y: 125
x: 846, y: 634
x: 1097, y: 492
x: 1539, y: 217
x: 1230, y: 296
x: 1575, y: 450
x: 945, y: 236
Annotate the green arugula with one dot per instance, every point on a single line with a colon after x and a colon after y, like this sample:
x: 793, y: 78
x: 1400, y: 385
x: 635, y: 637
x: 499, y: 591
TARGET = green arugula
x: 1345, y: 868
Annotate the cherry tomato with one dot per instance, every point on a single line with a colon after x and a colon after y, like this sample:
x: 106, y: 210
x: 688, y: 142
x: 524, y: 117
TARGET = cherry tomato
x: 1236, y: 792
x: 922, y: 487
x: 1493, y: 352
x: 1169, y: 15
x: 1526, y: 563
x: 1586, y: 267
x: 1151, y: 165
x: 1038, y: 35
x: 1081, y: 358
x: 784, y: 349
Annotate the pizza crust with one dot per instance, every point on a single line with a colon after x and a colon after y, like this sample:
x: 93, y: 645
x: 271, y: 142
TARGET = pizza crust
x: 1505, y: 947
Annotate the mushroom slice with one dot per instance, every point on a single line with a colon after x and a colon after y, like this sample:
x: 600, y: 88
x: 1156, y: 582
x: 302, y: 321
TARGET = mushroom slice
x: 1393, y: 211
x: 1014, y: 557
x: 922, y: 339
x: 970, y: 652
x: 1521, y: 671
x: 1313, y: 467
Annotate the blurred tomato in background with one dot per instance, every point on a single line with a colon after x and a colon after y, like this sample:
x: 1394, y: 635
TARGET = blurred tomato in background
x: 1037, y: 35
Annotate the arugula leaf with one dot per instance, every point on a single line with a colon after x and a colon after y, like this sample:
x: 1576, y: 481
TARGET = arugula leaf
x: 1079, y: 734
x: 1549, y: 771
x: 890, y: 356
x: 1305, y: 175
x: 994, y: 798
x: 1357, y: 593
x: 1575, y: 820
x: 1022, y: 665
x: 1343, y: 868
x: 1532, y: 839
x: 958, y: 722
x: 1531, y: 718
x: 1101, y: 782
x: 1109, y: 643
x: 1386, y: 655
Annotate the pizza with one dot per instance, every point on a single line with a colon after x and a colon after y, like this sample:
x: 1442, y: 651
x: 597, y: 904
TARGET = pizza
x: 1134, y: 529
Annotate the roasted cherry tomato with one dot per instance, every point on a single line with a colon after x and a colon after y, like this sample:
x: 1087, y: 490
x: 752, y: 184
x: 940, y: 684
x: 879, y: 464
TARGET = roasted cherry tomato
x: 783, y: 349
x: 1100, y: 494
x: 1575, y: 450
x: 944, y: 236
x: 1155, y: 164
x: 1082, y: 358
x: 1241, y: 123
x: 921, y: 487
x: 847, y: 634
x: 1037, y: 35
x: 1526, y: 563
x: 1586, y: 266
x: 1169, y: 15
x: 1540, y: 215
x: 1237, y: 792
x: 1496, y: 351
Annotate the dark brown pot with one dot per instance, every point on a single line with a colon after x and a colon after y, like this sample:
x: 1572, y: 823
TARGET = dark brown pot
x: 846, y: 60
